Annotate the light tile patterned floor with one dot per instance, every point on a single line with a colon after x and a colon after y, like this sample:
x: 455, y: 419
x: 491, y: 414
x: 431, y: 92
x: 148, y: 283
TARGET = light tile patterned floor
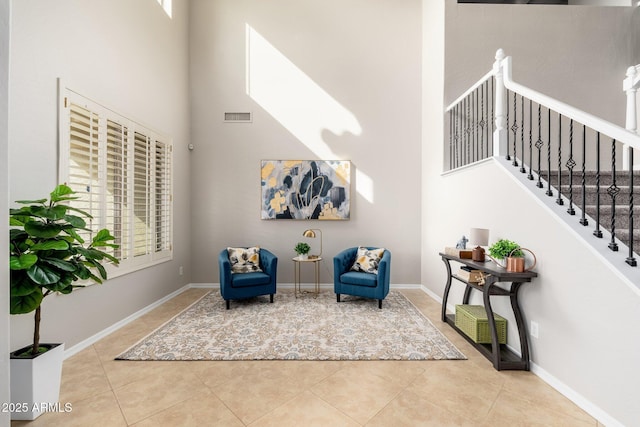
x: 470, y: 392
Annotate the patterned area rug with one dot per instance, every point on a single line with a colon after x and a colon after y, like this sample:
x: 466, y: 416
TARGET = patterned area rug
x: 305, y: 328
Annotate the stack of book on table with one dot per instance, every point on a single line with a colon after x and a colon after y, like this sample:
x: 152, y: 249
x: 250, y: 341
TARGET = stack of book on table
x: 469, y: 274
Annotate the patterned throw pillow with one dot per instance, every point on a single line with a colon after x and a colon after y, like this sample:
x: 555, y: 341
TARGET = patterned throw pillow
x: 367, y: 260
x: 244, y: 260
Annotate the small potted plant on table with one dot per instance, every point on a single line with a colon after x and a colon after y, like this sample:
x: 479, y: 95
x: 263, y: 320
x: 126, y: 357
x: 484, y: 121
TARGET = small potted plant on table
x: 502, y: 249
x: 302, y: 249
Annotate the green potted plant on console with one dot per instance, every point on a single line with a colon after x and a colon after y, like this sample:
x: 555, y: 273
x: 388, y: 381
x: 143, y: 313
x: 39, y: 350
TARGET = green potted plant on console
x: 47, y: 255
x: 503, y: 248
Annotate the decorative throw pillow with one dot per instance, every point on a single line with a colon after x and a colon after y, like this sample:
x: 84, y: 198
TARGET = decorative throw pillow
x: 244, y: 260
x: 367, y: 260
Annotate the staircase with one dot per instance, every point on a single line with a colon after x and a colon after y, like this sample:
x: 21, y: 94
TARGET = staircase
x: 591, y: 205
x: 589, y: 159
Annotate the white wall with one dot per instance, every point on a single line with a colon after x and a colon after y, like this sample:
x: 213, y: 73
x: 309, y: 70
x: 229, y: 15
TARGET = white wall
x: 5, y: 7
x: 361, y: 60
x: 131, y: 57
x: 576, y: 54
x: 586, y: 314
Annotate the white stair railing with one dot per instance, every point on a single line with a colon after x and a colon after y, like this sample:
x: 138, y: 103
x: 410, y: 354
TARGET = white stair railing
x: 568, y: 139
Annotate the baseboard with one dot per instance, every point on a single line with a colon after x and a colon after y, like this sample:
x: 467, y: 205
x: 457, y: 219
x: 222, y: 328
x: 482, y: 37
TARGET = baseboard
x: 583, y: 403
x: 95, y: 338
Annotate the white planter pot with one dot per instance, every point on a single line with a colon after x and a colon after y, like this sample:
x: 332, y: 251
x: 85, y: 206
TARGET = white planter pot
x: 35, y: 383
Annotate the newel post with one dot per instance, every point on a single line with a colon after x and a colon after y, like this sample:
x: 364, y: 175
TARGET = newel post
x: 631, y: 89
x: 500, y: 132
x: 630, y: 86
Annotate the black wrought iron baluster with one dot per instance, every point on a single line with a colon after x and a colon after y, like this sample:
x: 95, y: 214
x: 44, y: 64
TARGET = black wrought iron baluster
x: 456, y: 137
x: 539, y: 144
x: 463, y: 133
x: 475, y: 126
x: 549, y: 190
x: 631, y: 260
x: 482, y: 122
x: 597, y: 232
x: 570, y: 165
x: 514, y: 128
x: 493, y: 115
x: 530, y: 176
x: 613, y: 191
x: 450, y: 139
x: 584, y: 220
x: 470, y: 128
x: 460, y: 133
x: 522, y: 169
x: 507, y: 128
x: 559, y: 199
x: 468, y: 133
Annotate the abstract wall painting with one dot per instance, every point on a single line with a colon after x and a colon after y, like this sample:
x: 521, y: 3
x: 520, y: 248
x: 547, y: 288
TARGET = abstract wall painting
x: 306, y: 189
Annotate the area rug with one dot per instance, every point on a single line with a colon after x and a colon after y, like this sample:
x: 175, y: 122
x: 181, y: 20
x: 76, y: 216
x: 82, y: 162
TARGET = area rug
x: 303, y: 328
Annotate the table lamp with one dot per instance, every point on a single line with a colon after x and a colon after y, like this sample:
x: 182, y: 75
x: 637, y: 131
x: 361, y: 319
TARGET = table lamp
x: 312, y: 234
x: 478, y: 237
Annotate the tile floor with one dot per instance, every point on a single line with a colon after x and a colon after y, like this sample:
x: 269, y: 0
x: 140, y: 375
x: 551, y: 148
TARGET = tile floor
x: 105, y: 392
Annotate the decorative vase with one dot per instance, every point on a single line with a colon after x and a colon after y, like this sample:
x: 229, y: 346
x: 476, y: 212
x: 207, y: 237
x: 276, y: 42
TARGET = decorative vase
x: 303, y: 256
x: 35, y: 382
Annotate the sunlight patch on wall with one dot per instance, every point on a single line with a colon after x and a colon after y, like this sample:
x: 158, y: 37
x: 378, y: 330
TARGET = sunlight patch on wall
x: 364, y: 185
x: 292, y: 98
x: 166, y: 5
x: 296, y: 101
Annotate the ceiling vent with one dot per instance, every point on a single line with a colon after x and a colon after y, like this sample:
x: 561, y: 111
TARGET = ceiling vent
x: 237, y: 117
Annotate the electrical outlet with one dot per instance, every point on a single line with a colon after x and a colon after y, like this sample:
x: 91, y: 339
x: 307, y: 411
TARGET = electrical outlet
x: 534, y: 329
x: 181, y: 271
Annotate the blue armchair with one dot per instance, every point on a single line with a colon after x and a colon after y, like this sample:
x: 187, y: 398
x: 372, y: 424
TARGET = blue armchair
x: 246, y: 285
x: 358, y: 283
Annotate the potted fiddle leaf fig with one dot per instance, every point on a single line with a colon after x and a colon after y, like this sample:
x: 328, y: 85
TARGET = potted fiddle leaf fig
x: 48, y: 255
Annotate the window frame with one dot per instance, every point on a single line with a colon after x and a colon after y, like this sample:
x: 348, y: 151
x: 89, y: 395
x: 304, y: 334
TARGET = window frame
x: 155, y: 181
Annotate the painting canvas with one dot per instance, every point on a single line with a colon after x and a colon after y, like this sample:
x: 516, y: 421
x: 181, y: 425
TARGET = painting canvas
x: 306, y: 189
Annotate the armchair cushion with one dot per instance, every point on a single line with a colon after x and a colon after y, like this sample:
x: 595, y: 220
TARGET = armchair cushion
x: 249, y: 279
x: 367, y: 260
x: 244, y: 260
x: 359, y: 278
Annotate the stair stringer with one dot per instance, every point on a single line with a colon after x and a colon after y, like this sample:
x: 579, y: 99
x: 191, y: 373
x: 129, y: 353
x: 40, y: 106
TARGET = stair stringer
x: 614, y: 260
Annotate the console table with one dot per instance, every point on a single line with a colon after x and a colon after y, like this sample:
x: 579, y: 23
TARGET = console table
x: 501, y: 357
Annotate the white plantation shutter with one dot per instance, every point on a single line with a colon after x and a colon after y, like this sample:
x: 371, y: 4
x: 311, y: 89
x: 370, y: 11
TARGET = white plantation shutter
x: 83, y: 170
x: 141, y: 195
x: 117, y: 213
x: 163, y: 197
x: 122, y: 173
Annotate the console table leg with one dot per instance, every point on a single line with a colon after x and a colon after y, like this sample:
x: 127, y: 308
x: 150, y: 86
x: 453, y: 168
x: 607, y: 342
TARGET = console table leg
x: 522, y: 330
x: 495, y: 344
x: 447, y: 287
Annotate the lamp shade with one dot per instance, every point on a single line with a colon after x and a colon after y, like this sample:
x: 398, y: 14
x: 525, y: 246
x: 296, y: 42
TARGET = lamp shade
x: 479, y: 236
x: 312, y: 234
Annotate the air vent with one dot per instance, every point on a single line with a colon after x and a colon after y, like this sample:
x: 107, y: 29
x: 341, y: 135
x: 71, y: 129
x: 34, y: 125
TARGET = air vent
x: 237, y: 117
